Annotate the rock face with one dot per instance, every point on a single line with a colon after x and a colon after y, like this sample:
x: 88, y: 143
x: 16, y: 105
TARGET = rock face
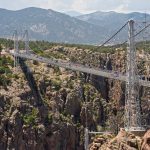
x: 57, y: 123
x: 68, y: 102
x: 73, y: 105
x: 123, y: 141
x: 146, y: 141
x: 34, y: 131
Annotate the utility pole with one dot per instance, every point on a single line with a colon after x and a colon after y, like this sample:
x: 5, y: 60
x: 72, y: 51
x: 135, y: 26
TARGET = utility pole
x: 132, y: 103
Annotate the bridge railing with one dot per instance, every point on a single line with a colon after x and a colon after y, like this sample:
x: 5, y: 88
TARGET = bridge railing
x: 79, y: 67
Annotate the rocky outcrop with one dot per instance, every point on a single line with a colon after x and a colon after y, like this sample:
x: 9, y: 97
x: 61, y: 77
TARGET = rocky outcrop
x: 24, y: 127
x: 99, y: 142
x: 123, y: 141
x: 146, y: 141
x: 73, y: 105
x: 70, y: 101
x: 101, y: 85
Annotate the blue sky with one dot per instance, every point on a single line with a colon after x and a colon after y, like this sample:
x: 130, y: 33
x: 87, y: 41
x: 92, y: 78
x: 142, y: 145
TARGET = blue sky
x: 80, y: 5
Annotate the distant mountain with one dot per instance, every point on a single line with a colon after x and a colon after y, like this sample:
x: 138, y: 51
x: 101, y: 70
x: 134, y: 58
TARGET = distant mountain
x: 73, y: 13
x: 54, y: 26
x: 112, y: 20
x: 49, y: 25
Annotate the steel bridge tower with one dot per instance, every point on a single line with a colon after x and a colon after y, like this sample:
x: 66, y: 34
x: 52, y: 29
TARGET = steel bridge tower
x: 26, y: 35
x: 132, y: 102
x: 16, y: 48
x: 16, y: 45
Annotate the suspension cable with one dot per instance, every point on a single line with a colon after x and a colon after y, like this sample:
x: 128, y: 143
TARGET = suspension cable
x: 138, y: 33
x: 112, y: 36
x: 143, y: 29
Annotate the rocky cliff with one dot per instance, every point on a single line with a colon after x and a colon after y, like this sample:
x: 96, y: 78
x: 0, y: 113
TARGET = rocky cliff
x: 46, y: 107
x: 123, y: 141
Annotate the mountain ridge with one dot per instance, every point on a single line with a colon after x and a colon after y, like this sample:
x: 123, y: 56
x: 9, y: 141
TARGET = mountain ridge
x: 49, y: 25
x: 53, y: 26
x: 73, y: 13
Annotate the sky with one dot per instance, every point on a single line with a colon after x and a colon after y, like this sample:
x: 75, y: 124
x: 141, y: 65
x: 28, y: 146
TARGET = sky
x: 82, y: 6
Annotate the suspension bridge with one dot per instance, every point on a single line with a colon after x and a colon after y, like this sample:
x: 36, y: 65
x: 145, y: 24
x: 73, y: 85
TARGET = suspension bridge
x: 77, y: 67
x: 132, y: 121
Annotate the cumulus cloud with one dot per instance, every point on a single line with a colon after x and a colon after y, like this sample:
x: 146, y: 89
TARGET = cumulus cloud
x: 80, y: 5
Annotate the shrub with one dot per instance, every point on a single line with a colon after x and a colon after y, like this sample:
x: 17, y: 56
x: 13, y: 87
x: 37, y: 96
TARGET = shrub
x: 56, y: 84
x: 30, y: 118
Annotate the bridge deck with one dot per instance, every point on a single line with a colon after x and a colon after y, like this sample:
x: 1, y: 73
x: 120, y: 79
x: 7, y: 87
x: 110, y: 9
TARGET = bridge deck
x: 79, y: 67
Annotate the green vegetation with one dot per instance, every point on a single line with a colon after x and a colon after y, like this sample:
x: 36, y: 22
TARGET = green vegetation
x: 6, y: 43
x: 143, y: 45
x: 30, y: 118
x: 4, y: 81
x: 56, y: 84
x: 53, y: 55
x: 40, y: 46
x: 5, y: 72
x: 65, y: 118
x: 70, y: 84
x: 0, y: 47
x: 90, y: 92
x: 49, y: 118
x: 6, y: 61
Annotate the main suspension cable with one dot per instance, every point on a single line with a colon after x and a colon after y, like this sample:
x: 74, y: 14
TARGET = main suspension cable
x: 112, y: 36
x: 138, y: 33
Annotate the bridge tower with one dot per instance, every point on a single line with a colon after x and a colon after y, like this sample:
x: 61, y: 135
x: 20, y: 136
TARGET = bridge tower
x: 132, y: 102
x: 26, y: 41
x: 16, y: 48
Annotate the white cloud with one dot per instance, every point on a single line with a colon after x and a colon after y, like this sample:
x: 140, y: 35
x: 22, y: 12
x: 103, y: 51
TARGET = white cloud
x: 80, y: 5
